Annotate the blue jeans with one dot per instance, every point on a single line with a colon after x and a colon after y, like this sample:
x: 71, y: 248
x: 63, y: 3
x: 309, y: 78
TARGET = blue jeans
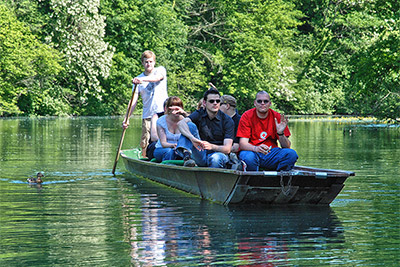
x: 205, y: 158
x: 278, y: 159
x: 164, y: 153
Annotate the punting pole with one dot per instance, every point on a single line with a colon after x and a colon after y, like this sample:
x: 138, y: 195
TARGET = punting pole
x: 124, y: 129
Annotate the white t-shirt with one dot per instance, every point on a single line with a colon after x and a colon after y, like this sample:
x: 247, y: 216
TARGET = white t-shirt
x: 153, y: 94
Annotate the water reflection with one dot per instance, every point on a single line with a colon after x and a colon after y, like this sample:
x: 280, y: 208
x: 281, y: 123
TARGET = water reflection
x: 173, y: 225
x: 82, y: 216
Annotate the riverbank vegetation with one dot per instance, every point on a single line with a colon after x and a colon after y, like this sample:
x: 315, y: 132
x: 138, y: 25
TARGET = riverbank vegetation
x: 68, y: 57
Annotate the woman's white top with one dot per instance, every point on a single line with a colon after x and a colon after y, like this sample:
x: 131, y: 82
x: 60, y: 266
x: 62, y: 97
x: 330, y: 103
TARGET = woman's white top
x: 171, y: 137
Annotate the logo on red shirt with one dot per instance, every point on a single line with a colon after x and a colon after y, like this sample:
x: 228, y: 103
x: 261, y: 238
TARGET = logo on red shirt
x: 263, y: 136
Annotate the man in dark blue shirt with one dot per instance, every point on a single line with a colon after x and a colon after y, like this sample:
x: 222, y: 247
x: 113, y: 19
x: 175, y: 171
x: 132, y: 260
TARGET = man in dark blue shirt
x: 207, y: 134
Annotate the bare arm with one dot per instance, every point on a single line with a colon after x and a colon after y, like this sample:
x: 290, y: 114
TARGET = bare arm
x: 225, y: 148
x: 184, y: 128
x: 150, y: 78
x: 134, y: 103
x: 178, y: 110
x: 235, y: 147
x: 245, y: 145
x: 163, y: 138
x: 280, y: 129
x: 153, y: 129
x: 284, y: 141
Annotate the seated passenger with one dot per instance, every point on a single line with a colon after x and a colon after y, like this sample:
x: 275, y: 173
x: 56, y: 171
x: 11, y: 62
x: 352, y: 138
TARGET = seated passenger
x: 167, y: 130
x: 228, y: 106
x: 153, y: 128
x: 207, y: 134
x: 259, y: 130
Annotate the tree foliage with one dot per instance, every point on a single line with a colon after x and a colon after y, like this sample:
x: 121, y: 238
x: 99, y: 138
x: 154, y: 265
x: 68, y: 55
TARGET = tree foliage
x: 351, y: 60
x: 312, y: 56
x: 27, y: 68
x: 77, y: 30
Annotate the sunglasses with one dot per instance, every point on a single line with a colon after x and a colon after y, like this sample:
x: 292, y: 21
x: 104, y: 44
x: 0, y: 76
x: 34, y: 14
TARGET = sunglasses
x: 259, y: 101
x: 211, y: 101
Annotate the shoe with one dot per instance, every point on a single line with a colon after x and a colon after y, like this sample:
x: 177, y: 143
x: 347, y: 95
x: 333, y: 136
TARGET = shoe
x: 240, y: 166
x: 189, y: 163
x: 186, y: 155
x: 187, y: 160
x: 244, y: 166
x: 233, y: 158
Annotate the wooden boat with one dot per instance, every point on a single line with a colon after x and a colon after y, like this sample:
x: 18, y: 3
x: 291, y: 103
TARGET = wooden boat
x: 302, y: 185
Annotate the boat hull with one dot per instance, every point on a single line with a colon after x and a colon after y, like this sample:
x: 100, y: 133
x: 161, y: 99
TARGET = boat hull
x: 302, y: 185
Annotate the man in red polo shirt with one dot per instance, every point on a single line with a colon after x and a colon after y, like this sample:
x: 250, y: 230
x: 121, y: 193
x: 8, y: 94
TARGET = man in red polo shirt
x: 259, y: 130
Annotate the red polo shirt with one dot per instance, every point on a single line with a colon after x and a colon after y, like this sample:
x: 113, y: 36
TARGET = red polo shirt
x: 260, y: 131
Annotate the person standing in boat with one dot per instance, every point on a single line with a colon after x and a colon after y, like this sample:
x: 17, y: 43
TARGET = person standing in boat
x: 207, y: 134
x: 153, y: 133
x: 152, y: 87
x: 167, y: 130
x: 260, y: 129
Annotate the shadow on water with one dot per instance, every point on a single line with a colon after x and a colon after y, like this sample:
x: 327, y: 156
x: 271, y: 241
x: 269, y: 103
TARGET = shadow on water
x: 233, y: 235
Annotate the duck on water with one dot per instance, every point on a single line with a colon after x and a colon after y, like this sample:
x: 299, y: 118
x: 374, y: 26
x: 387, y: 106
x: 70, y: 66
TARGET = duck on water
x: 37, y: 180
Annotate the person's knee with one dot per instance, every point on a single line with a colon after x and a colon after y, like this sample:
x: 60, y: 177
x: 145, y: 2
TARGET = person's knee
x: 247, y: 156
x: 288, y: 159
x: 164, y: 154
x: 250, y: 158
x: 291, y: 155
x: 192, y: 126
x: 158, y: 155
x: 193, y: 129
x: 217, y: 160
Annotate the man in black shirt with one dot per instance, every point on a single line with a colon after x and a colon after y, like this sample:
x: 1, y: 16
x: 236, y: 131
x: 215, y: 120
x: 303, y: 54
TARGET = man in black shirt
x: 207, y: 134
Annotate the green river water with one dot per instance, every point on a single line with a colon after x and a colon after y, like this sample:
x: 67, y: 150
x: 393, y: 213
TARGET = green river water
x: 84, y: 216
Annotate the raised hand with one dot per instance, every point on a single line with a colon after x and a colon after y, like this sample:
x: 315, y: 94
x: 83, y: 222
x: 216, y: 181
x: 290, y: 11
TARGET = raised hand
x: 280, y: 127
x: 177, y: 110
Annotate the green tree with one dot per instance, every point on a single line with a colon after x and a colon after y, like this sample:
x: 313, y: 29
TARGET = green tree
x: 247, y: 46
x: 350, y: 62
x: 134, y: 26
x: 375, y: 82
x: 76, y: 29
x: 27, y: 67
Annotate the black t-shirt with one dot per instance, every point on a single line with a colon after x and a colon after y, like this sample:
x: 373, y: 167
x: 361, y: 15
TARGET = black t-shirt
x: 215, y: 130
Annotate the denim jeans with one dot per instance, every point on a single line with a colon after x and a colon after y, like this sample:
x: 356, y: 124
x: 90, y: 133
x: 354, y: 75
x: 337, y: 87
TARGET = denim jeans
x: 205, y: 158
x: 164, y: 153
x: 278, y: 159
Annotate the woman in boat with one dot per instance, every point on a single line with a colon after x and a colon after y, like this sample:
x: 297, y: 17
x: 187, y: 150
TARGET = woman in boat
x: 167, y: 130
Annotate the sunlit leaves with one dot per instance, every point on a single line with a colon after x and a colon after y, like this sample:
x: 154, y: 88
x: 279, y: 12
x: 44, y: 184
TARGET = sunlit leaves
x: 312, y: 56
x: 78, y: 32
x: 25, y: 63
